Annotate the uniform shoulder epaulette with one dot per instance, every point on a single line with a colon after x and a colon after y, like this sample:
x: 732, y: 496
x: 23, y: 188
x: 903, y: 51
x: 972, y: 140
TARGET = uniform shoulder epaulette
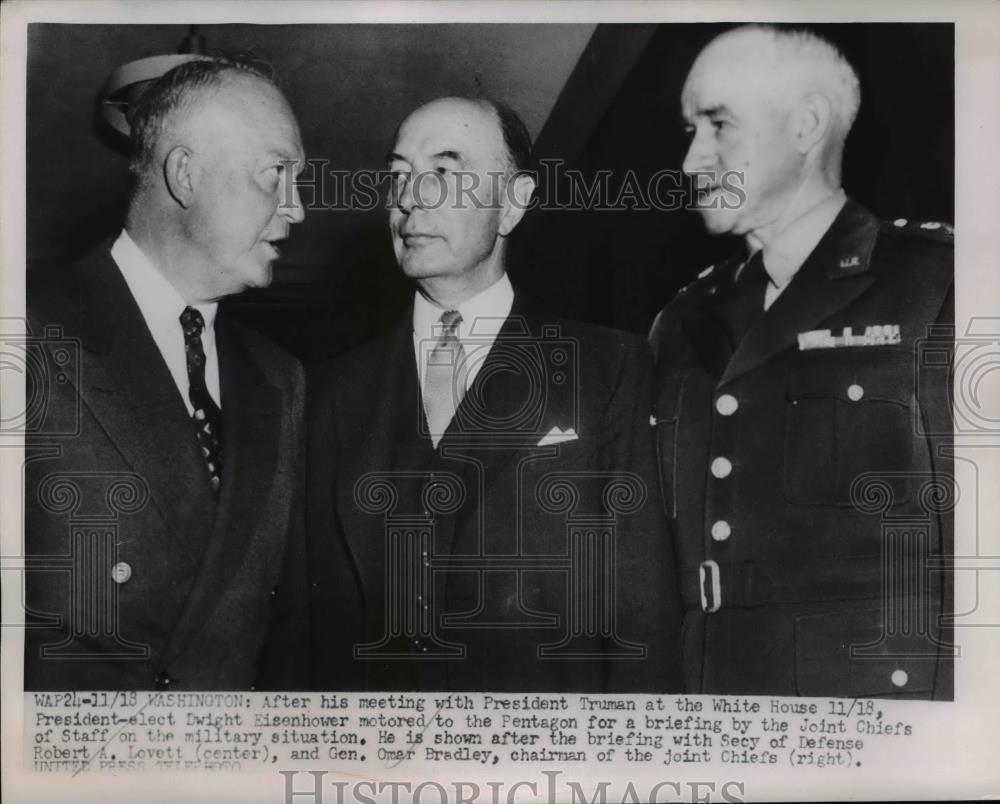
x: 937, y: 230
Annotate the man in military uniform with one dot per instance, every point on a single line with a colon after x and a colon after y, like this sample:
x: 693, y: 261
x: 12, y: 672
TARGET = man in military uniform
x: 795, y: 424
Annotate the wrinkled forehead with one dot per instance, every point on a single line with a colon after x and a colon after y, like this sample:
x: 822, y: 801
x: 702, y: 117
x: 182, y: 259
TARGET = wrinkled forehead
x: 448, y: 126
x: 733, y: 71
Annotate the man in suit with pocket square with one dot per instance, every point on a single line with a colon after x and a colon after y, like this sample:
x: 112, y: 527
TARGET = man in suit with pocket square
x: 483, y: 503
x: 803, y: 438
x: 158, y: 525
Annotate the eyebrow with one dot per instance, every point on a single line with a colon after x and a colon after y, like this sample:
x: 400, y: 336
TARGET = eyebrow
x: 455, y: 156
x: 283, y: 156
x: 713, y: 111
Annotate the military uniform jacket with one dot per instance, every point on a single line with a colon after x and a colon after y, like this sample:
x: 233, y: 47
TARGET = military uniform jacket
x: 515, y: 557
x: 807, y: 473
x: 139, y: 578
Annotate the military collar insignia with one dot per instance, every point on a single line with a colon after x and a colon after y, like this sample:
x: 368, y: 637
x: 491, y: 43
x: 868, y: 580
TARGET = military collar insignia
x: 847, y: 246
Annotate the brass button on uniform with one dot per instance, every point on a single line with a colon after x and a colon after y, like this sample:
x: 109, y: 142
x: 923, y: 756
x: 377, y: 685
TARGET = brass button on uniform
x: 121, y: 572
x: 899, y: 678
x: 722, y: 467
x: 727, y: 404
x: 721, y: 530
x: 855, y: 392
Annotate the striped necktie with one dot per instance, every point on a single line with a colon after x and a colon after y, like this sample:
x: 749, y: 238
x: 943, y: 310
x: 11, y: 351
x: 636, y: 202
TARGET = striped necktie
x: 207, y: 417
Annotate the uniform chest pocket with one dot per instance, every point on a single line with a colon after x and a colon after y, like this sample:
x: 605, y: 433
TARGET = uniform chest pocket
x: 848, y: 412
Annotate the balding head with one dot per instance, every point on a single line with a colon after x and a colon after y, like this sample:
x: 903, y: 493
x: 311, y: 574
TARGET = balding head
x: 215, y: 151
x: 791, y: 63
x: 458, y: 191
x: 768, y: 111
x: 515, y: 140
x: 170, y: 102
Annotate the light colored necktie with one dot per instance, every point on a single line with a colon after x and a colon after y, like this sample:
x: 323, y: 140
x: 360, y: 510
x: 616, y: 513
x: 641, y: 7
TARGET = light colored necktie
x: 444, y: 377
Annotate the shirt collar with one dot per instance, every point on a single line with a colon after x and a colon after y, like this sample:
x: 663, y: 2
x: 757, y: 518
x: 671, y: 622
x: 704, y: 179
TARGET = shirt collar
x: 159, y: 302
x: 482, y: 316
x: 785, y: 253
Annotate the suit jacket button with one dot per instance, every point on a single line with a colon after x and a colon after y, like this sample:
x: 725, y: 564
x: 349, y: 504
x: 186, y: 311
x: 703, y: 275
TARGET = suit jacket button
x: 899, y: 678
x: 722, y: 467
x: 162, y: 681
x: 855, y: 392
x: 721, y: 530
x: 121, y: 572
x: 727, y: 404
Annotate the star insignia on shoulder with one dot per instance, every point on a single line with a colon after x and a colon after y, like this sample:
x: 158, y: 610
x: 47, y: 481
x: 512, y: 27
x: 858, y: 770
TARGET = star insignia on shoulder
x: 936, y: 229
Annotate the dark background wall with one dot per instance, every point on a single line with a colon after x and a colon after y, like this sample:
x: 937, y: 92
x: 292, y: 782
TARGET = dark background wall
x: 602, y: 98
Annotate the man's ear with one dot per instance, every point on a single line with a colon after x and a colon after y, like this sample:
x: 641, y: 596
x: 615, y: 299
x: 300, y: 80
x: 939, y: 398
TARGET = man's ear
x: 517, y: 200
x: 178, y: 173
x: 811, y: 121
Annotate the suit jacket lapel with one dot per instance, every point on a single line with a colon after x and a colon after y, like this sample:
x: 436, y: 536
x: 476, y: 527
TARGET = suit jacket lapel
x: 487, y: 426
x: 251, y: 424
x: 834, y: 275
x: 125, y: 383
x: 484, y: 424
x: 703, y: 323
x: 395, y: 441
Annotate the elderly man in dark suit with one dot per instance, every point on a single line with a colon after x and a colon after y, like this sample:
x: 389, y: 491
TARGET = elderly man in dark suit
x: 802, y: 438
x: 482, y: 491
x: 168, y: 507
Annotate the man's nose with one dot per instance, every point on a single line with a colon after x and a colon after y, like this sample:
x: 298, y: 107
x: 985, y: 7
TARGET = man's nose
x: 405, y: 196
x: 701, y: 154
x: 291, y: 208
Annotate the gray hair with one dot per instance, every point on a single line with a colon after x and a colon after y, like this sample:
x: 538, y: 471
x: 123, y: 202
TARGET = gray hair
x: 816, y: 62
x: 174, y: 92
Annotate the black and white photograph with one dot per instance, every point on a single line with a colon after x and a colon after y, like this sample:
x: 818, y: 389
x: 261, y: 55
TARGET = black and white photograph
x: 557, y: 401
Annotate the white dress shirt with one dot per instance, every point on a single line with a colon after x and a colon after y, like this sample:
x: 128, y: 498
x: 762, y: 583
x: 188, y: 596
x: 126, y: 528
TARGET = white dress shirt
x: 785, y: 253
x: 161, y: 307
x: 482, y: 317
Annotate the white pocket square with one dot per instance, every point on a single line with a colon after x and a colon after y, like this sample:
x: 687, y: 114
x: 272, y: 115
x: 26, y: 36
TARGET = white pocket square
x: 557, y: 436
